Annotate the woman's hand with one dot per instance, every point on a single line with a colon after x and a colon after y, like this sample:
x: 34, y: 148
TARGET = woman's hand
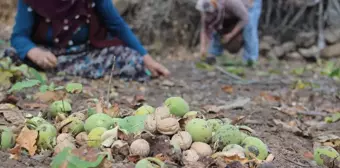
x: 155, y: 67
x: 226, y: 38
x: 44, y: 59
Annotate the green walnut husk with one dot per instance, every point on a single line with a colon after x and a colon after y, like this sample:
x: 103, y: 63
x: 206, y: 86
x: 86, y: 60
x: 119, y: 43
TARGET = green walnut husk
x: 254, y: 146
x: 144, y: 110
x: 98, y: 120
x: 74, y: 87
x: 190, y: 114
x: 59, y: 107
x: 7, y: 138
x: 177, y: 106
x: 232, y: 146
x: 199, y: 130
x: 215, y: 124
x: 47, y: 136
x: 227, y: 134
x: 35, y: 122
x: 94, y: 137
x: 80, y: 116
x: 150, y: 163
x: 325, y: 155
x: 72, y: 125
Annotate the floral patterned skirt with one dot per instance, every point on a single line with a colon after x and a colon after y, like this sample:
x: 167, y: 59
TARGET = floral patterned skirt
x: 89, y: 62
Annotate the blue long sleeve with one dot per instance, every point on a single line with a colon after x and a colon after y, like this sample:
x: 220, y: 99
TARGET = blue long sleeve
x: 20, y: 39
x: 117, y: 25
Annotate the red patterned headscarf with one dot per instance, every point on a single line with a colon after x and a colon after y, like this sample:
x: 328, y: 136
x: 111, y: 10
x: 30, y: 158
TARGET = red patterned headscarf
x: 65, y: 17
x: 214, y: 11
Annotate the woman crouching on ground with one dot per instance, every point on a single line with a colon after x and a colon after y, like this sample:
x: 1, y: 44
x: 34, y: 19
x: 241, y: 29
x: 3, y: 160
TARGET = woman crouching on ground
x: 79, y: 37
x: 219, y: 15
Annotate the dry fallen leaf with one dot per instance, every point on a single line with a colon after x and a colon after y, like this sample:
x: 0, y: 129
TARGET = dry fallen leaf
x: 332, y: 110
x: 287, y: 110
x: 228, y: 158
x: 134, y: 158
x: 292, y: 123
x: 287, y: 127
x: 10, y: 99
x: 228, y: 89
x: 86, y: 153
x: 162, y: 157
x: 211, y: 108
x: 50, y: 96
x: 137, y: 100
x: 238, y: 120
x: 12, y: 114
x: 15, y: 152
x: 32, y: 106
x: 270, y: 158
x: 27, y: 139
x: 329, y: 140
x: 112, y: 111
x: 106, y: 163
x: 99, y: 107
x: 161, y: 144
x: 308, y: 155
x: 267, y: 96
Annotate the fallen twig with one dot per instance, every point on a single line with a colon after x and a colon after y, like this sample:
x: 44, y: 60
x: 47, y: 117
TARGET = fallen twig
x: 312, y: 113
x: 111, y: 74
x: 229, y: 74
x: 252, y: 122
x: 238, y: 103
x: 257, y: 82
x: 297, y: 163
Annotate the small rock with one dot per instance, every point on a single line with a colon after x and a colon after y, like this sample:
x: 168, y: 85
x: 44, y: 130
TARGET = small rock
x: 294, y: 56
x: 331, y: 51
x: 276, y: 52
x: 270, y: 40
x: 309, y: 52
x: 305, y: 39
x: 211, y: 74
x: 288, y: 47
x: 168, y: 83
x: 330, y: 36
x: 121, y: 5
x: 264, y: 46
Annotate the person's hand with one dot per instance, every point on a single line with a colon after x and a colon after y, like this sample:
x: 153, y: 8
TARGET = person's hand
x: 155, y: 67
x: 44, y: 59
x: 226, y: 38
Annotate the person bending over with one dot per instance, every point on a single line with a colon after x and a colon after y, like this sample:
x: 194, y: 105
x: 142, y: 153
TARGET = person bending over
x: 216, y: 16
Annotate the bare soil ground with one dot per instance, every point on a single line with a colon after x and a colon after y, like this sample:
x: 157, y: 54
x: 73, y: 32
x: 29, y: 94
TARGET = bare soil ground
x: 291, y: 143
x: 290, y: 146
